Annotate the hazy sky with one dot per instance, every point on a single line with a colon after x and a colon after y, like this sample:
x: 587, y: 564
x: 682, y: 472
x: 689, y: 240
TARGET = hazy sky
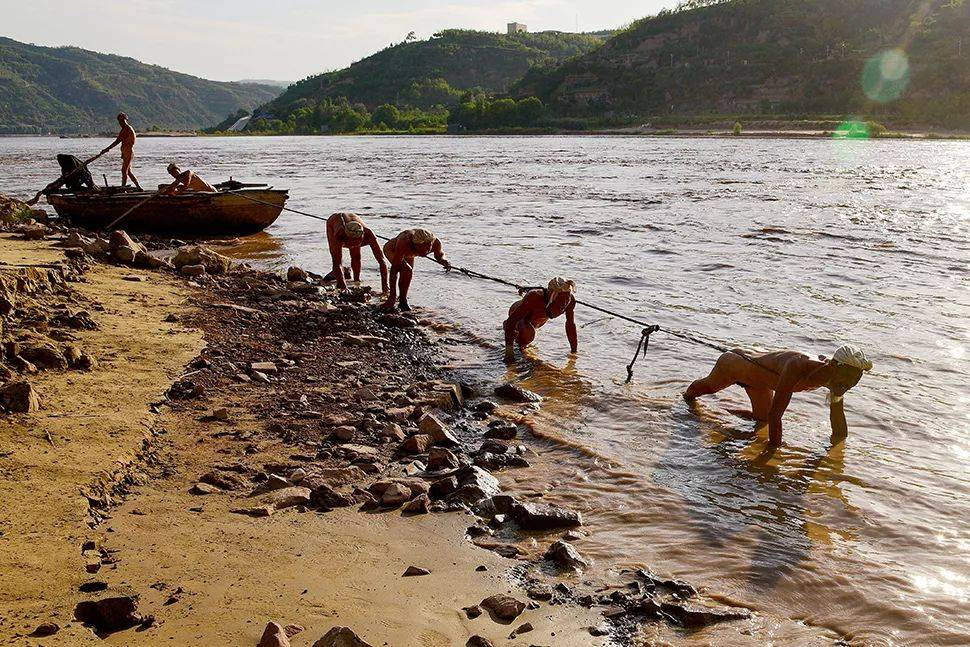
x: 283, y: 39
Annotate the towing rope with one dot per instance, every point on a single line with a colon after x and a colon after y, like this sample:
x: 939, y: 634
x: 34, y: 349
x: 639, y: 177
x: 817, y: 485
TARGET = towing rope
x: 647, y: 329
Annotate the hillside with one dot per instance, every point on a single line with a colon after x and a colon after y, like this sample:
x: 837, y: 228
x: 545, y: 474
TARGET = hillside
x: 425, y: 73
x: 66, y: 89
x: 907, y: 60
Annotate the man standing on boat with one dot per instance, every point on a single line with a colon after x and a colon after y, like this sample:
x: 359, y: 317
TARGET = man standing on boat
x: 127, y: 140
x: 535, y: 309
x: 348, y: 230
x: 770, y: 379
x: 401, y: 252
x: 186, y: 181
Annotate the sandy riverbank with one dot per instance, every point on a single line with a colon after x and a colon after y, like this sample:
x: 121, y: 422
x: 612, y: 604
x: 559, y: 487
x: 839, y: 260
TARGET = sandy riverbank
x: 243, y: 448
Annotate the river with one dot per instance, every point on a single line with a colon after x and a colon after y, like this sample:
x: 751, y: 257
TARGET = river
x: 772, y: 243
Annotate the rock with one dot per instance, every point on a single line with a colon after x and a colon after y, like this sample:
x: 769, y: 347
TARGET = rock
x: 439, y: 433
x: 109, y: 615
x: 202, y: 489
x: 508, y: 551
x: 566, y: 556
x: 294, y: 274
x: 694, y: 615
x: 393, y: 320
x: 223, y: 480
x: 98, y: 248
x: 440, y: 458
x: 35, y: 232
x: 392, y: 431
x: 324, y: 496
x: 125, y: 255
x: 420, y: 504
x: 539, y: 516
x: 292, y: 630
x: 597, y: 631
x: 415, y: 571
x: 120, y: 239
x: 44, y: 630
x: 272, y: 482
x: 269, y: 368
x: 344, y: 434
x: 19, y: 397
x: 274, y: 636
x: 259, y: 376
x: 493, y: 446
x: 221, y: 414
x: 341, y: 637
x: 39, y: 351
x: 478, y: 641
x: 147, y: 261
x: 522, y: 629
x: 199, y: 255
x: 516, y: 393
x: 395, y: 495
x: 287, y: 497
x: 473, y: 611
x: 297, y: 475
x: 75, y: 240
x: 539, y: 592
x: 255, y: 511
x: 475, y: 484
x: 503, y: 607
x: 417, y: 444
x: 503, y: 432
x: 679, y: 588
x: 339, y: 476
x: 443, y: 487
x: 192, y: 270
x: 485, y: 406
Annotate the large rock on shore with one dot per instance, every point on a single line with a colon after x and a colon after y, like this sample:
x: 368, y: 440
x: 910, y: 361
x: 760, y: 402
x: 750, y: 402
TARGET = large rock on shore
x: 475, y: 484
x: 341, y: 637
x: 503, y: 607
x: 566, y: 556
x: 516, y: 393
x: 200, y: 255
x: 109, y: 615
x: 539, y: 516
x: 694, y: 616
x: 19, y: 397
x: 274, y: 636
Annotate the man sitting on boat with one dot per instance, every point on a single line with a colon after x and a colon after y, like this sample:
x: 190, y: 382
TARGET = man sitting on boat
x: 186, y: 181
x: 401, y: 252
x: 535, y: 309
x: 126, y: 137
x: 770, y: 380
x: 348, y: 230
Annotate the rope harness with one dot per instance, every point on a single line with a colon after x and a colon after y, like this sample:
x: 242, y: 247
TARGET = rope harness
x: 647, y: 329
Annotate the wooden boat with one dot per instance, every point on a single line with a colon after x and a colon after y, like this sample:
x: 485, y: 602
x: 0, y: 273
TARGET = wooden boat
x: 230, y: 212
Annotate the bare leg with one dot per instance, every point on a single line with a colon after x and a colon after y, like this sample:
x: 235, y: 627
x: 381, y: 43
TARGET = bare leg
x: 405, y: 285
x: 355, y: 262
x: 392, y: 291
x: 525, y: 334
x: 760, y: 402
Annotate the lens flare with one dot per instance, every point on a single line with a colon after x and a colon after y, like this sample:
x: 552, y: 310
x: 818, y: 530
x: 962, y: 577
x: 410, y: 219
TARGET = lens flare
x: 886, y: 76
x: 852, y: 129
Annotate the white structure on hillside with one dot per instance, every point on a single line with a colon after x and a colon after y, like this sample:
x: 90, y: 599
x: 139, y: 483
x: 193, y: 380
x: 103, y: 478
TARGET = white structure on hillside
x: 517, y: 28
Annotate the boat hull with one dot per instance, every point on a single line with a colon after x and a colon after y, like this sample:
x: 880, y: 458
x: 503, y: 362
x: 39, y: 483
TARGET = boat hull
x: 227, y: 213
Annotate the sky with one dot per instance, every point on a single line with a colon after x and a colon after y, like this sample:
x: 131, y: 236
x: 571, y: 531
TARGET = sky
x: 284, y: 40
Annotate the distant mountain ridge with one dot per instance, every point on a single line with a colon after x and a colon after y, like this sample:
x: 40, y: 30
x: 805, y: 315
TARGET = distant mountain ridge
x: 905, y: 59
x: 424, y: 73
x: 72, y: 90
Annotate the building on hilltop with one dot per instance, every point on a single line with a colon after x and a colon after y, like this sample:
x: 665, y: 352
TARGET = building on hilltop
x: 517, y: 28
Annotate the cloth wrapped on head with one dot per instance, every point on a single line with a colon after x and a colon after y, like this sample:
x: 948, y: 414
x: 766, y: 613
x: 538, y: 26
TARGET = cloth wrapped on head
x: 559, y: 284
x: 852, y: 356
x: 421, y: 236
x: 353, y: 229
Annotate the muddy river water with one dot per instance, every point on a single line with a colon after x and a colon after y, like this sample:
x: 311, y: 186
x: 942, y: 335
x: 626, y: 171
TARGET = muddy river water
x: 771, y: 243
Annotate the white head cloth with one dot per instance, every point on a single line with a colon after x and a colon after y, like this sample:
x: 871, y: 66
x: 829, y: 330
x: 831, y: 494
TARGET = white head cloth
x: 852, y: 356
x: 353, y: 229
x: 559, y: 284
x: 421, y: 236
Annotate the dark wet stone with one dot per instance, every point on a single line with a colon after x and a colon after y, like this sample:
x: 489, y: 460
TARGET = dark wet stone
x: 109, y: 615
x: 324, y: 496
x: 679, y: 588
x: 564, y: 555
x: 694, y: 615
x: 516, y: 393
x: 539, y: 516
x: 503, y: 607
x: 502, y: 432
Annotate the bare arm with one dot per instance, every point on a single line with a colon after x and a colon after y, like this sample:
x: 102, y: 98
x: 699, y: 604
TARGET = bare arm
x: 516, y: 313
x: 113, y: 144
x: 375, y: 247
x: 779, y: 403
x: 837, y: 418
x: 571, y: 333
x: 439, y: 254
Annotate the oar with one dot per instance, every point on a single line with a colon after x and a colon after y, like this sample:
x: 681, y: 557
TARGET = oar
x: 125, y: 214
x: 53, y: 185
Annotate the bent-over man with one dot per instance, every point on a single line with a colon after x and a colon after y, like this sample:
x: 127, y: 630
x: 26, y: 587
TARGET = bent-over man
x: 186, y: 181
x: 770, y: 380
x: 401, y: 252
x: 348, y: 230
x: 535, y: 309
x: 126, y: 137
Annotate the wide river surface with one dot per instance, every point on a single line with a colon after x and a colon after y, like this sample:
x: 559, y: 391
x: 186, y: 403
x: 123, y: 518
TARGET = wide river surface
x: 770, y: 243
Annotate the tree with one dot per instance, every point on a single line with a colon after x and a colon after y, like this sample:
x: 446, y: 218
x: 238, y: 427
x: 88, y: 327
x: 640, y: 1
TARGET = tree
x: 386, y: 115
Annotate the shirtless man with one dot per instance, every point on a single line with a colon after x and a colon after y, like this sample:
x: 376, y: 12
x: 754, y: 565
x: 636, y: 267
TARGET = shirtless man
x: 401, y: 252
x: 127, y: 140
x: 533, y: 310
x: 186, y: 181
x: 348, y: 230
x: 770, y: 379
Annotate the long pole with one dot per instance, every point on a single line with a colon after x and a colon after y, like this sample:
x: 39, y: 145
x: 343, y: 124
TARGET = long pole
x: 125, y: 214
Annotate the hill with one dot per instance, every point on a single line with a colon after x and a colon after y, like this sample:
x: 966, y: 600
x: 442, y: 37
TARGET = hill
x: 425, y: 73
x: 907, y: 60
x: 72, y: 90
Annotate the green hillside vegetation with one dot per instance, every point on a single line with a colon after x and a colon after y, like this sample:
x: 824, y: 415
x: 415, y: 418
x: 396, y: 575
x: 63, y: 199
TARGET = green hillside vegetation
x: 902, y: 61
x: 420, y: 78
x: 70, y: 90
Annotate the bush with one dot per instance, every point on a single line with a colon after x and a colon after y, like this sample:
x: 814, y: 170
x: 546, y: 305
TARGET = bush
x: 876, y: 129
x: 737, y: 129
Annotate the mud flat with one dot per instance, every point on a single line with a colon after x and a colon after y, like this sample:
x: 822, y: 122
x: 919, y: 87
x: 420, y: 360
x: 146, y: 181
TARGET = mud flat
x: 219, y: 448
